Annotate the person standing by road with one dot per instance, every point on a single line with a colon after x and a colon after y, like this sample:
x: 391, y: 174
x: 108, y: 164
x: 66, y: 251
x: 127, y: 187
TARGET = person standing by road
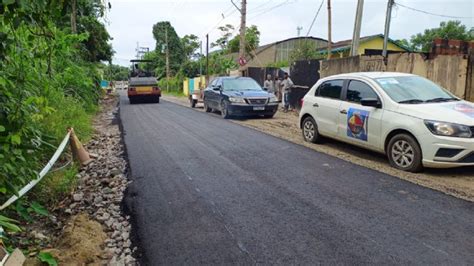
x: 286, y: 84
x: 278, y: 88
x: 269, y: 84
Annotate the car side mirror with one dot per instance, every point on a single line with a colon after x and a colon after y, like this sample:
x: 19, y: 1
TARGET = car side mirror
x: 265, y: 89
x: 372, y: 102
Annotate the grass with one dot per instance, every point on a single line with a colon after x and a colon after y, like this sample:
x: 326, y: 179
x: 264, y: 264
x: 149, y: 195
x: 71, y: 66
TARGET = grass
x: 175, y: 93
x: 56, y: 185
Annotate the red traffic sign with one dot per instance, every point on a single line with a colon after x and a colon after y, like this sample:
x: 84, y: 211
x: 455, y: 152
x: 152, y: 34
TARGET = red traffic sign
x: 242, y: 61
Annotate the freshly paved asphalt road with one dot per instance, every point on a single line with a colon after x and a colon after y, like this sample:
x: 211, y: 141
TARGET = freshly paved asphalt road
x: 208, y: 191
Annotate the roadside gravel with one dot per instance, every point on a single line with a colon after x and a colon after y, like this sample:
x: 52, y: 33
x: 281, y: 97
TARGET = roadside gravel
x: 102, y: 184
x: 458, y: 182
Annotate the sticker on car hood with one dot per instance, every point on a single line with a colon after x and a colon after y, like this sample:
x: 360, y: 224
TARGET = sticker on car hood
x: 464, y: 108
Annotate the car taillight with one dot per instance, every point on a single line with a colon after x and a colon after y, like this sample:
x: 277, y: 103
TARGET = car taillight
x: 131, y: 89
x: 155, y: 88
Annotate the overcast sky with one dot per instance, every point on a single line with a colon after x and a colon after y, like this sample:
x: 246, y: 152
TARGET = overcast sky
x: 131, y: 21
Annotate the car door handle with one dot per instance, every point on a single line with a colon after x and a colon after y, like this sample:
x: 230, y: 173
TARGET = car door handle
x: 316, y: 105
x: 343, y: 111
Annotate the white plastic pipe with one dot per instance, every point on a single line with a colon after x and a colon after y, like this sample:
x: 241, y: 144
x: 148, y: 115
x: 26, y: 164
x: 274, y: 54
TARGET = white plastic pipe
x: 43, y: 172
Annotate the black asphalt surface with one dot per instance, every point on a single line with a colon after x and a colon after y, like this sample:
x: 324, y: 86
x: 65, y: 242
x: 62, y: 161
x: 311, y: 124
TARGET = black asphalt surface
x: 209, y: 191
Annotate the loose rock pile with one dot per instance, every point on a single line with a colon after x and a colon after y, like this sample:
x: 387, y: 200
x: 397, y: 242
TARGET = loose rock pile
x: 101, y: 188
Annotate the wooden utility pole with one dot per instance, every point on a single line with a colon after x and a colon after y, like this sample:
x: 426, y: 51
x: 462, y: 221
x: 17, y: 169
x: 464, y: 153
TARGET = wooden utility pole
x: 207, y: 59
x: 357, y: 25
x: 243, y: 17
x: 74, y: 16
x: 167, y: 60
x: 200, y: 57
x: 329, y: 30
x: 388, y: 16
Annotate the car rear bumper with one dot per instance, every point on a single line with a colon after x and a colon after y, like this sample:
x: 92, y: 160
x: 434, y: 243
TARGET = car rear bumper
x: 248, y: 110
x: 447, y: 152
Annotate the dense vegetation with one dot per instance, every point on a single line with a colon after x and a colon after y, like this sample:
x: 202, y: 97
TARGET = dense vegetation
x: 447, y: 30
x: 49, y: 80
x: 186, y: 61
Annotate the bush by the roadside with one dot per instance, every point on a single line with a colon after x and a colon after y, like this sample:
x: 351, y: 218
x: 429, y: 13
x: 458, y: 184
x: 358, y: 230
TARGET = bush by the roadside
x: 46, y: 85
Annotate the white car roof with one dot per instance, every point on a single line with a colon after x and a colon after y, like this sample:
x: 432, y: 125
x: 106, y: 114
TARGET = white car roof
x: 370, y: 75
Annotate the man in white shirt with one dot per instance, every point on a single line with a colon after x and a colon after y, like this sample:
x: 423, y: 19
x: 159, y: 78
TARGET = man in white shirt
x: 269, y: 85
x: 286, y: 84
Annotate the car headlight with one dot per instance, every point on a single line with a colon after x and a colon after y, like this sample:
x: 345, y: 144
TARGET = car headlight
x: 236, y: 100
x: 448, y: 129
x: 273, y: 99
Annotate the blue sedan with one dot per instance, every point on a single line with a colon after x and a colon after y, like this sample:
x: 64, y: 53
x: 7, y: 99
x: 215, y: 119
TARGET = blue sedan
x: 239, y: 96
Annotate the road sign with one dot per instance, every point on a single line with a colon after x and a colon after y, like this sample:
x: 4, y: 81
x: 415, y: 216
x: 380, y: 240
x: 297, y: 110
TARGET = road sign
x: 242, y: 61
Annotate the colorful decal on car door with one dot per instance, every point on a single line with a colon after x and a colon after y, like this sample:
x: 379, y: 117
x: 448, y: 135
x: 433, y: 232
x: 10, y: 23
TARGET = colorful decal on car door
x: 358, y: 124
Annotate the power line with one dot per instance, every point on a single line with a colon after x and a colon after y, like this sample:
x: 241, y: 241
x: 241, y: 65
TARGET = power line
x: 259, y: 6
x: 314, y: 19
x: 225, y: 16
x: 429, y: 13
x: 270, y: 9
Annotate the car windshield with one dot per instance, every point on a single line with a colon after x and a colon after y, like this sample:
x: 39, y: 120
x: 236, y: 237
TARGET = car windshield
x: 414, y: 90
x: 241, y: 84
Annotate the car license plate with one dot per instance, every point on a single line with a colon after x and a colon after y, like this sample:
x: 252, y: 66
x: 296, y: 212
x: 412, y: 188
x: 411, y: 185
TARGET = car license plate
x: 144, y: 89
x: 259, y: 108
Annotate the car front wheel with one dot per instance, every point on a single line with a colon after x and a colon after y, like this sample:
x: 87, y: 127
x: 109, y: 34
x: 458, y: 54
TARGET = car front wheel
x: 310, y: 130
x: 404, y: 153
x: 206, y: 107
x: 224, y: 110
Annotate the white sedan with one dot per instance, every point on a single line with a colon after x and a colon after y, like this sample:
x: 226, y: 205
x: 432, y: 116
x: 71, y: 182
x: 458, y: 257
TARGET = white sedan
x: 415, y: 122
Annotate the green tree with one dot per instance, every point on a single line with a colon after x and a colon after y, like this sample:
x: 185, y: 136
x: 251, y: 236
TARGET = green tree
x: 175, y: 46
x: 223, y: 41
x: 96, y: 47
x: 446, y: 30
x: 190, y: 45
x: 118, y: 72
x: 252, y: 40
x: 305, y: 50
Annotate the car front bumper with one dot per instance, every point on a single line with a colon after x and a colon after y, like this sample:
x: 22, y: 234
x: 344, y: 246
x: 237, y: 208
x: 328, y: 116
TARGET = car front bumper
x: 446, y: 152
x: 249, y: 109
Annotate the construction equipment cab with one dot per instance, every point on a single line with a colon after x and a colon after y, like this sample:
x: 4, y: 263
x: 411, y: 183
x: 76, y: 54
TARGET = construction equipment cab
x: 142, y: 85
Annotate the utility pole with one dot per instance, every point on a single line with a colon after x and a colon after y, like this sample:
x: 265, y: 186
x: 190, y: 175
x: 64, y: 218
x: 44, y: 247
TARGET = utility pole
x: 298, y: 29
x: 167, y: 61
x: 388, y: 16
x: 329, y: 30
x: 243, y: 16
x: 74, y: 16
x: 207, y: 59
x: 200, y: 61
x: 357, y: 25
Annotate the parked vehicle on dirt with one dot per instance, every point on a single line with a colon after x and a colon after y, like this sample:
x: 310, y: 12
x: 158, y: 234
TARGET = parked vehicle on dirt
x: 239, y: 96
x: 142, y: 85
x: 415, y: 122
x: 196, y: 96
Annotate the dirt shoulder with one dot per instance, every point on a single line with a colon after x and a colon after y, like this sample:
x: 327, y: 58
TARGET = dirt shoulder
x: 89, y: 226
x: 458, y: 182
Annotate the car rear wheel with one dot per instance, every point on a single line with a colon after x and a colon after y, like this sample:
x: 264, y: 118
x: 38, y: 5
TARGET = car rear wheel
x: 224, y: 110
x: 404, y: 153
x: 206, y: 107
x: 310, y: 130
